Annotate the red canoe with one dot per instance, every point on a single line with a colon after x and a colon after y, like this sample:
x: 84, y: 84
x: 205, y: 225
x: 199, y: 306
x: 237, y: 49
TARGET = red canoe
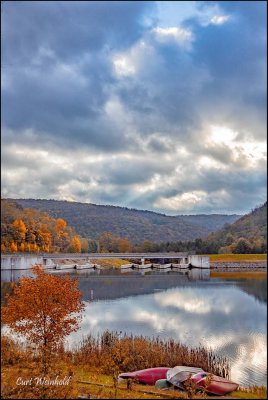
x: 148, y: 376
x: 214, y: 384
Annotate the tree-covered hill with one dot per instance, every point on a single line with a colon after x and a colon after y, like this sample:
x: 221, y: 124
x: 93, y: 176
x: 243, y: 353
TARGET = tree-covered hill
x: 247, y: 234
x: 91, y: 220
x: 31, y: 230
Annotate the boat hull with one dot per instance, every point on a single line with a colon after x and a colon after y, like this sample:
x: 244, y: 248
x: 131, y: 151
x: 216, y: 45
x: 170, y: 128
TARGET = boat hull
x: 214, y: 384
x: 148, y: 376
x: 177, y: 375
x: 162, y: 384
x: 181, y: 369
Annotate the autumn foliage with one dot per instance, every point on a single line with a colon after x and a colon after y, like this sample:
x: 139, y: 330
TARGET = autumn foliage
x: 109, y: 243
x: 44, y: 310
x: 31, y: 231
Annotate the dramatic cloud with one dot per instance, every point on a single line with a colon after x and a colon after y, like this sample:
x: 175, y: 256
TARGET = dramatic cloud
x: 156, y: 105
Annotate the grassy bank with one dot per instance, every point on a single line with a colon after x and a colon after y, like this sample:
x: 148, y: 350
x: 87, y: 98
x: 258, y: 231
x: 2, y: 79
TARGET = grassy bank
x: 91, y: 382
x: 237, y: 257
x: 95, y: 364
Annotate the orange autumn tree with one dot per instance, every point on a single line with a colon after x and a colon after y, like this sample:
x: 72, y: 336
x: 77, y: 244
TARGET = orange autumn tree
x: 75, y: 246
x: 44, y: 310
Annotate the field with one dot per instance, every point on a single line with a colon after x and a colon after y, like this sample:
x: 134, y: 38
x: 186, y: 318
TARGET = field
x: 89, y: 382
x: 237, y: 257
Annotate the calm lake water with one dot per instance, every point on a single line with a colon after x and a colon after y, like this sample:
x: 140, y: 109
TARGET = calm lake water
x: 226, y: 315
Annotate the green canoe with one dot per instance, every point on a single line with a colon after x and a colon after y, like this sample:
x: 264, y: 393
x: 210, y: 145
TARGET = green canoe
x: 162, y: 384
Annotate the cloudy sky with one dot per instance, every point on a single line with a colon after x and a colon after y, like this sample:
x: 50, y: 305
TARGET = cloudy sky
x: 142, y: 104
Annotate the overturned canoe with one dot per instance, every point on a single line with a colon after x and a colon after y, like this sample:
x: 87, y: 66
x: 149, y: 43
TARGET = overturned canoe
x: 181, y: 369
x: 162, y: 384
x: 148, y: 376
x: 177, y: 375
x: 214, y: 384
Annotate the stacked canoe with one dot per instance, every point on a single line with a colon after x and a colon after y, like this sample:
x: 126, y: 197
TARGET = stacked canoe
x: 164, y: 377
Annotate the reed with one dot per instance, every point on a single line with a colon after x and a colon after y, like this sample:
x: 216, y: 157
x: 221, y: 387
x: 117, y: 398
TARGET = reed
x: 22, y: 361
x: 113, y: 352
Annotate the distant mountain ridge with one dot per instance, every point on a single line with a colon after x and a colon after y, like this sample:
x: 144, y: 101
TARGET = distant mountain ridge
x: 91, y: 220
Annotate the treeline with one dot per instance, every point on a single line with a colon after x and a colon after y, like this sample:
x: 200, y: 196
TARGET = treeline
x: 32, y: 231
x: 108, y: 243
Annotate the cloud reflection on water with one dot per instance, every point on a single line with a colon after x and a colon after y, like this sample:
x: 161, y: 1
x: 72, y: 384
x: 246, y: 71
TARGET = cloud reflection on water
x: 224, y: 318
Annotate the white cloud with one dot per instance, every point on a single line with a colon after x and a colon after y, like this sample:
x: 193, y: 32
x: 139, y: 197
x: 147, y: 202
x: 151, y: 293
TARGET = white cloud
x: 123, y: 66
x: 129, y: 62
x: 209, y: 162
x: 219, y: 19
x: 181, y: 36
x: 222, y: 135
x: 185, y: 201
x: 245, y: 149
x: 184, y: 301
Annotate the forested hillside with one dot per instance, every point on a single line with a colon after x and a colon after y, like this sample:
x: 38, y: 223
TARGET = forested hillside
x: 248, y: 234
x: 31, y: 230
x: 25, y: 227
x: 212, y: 222
x: 90, y: 221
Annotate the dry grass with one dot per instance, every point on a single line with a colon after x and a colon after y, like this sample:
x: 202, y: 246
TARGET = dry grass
x: 113, y: 353
x: 237, y: 257
x: 104, y: 387
x: 86, y: 380
x: 110, y: 262
x: 99, y: 360
x: 253, y: 392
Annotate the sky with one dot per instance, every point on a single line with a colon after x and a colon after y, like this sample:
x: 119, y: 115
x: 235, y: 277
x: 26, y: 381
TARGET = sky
x: 141, y: 104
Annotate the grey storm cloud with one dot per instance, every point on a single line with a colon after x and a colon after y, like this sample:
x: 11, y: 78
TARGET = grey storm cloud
x: 102, y: 103
x: 69, y: 28
x: 235, y: 55
x: 57, y: 73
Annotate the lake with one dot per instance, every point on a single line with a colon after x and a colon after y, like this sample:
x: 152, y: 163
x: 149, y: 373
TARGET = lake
x: 224, y: 313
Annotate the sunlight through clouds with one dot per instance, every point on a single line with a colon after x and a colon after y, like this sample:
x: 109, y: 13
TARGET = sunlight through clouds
x: 176, y: 88
x: 184, y: 201
x: 222, y: 134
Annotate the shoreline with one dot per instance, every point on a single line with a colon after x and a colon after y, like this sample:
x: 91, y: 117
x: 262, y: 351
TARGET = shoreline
x: 256, y: 266
x: 84, y: 371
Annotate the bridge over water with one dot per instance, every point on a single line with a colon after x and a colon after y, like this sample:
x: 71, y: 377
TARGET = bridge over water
x: 26, y: 261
